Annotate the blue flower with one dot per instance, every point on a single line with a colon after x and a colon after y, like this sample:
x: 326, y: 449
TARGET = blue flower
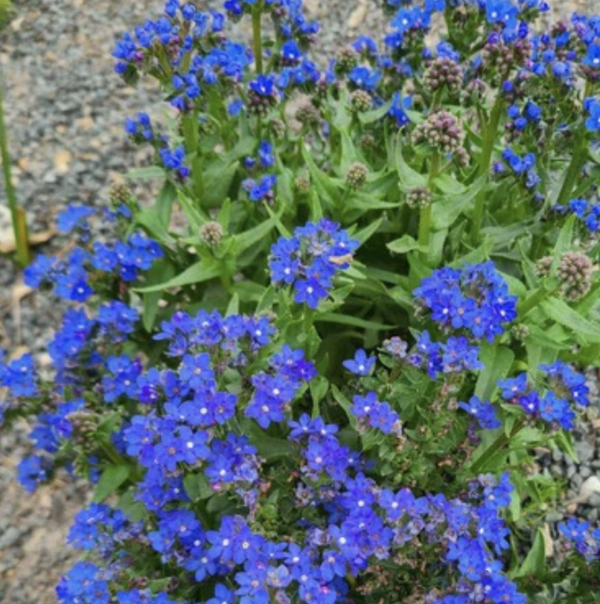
x: 484, y: 412
x: 593, y: 122
x: 592, y: 59
x: 361, y: 364
x: 574, y: 530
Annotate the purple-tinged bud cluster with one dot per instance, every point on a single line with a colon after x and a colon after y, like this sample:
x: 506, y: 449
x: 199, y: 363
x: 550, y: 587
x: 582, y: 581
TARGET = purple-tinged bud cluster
x: 443, y: 73
x: 575, y: 275
x: 474, y: 298
x: 419, y: 198
x: 310, y: 259
x: 361, y: 101
x: 441, y: 130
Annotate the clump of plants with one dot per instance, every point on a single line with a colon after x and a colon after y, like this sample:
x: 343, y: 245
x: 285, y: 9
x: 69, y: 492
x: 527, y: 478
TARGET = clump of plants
x: 328, y: 386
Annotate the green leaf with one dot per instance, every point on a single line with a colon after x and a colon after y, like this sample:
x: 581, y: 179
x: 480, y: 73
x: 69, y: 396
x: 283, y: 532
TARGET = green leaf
x: 344, y: 403
x: 583, y: 330
x: 535, y: 562
x: 149, y: 173
x: 197, y: 487
x: 365, y: 234
x: 368, y: 117
x: 405, y: 244
x: 318, y: 389
x: 362, y: 201
x: 446, y: 210
x: 258, y: 233
x: 497, y: 361
x: 233, y: 308
x: 197, y: 273
x: 353, y: 321
x: 218, y: 179
x: 112, y: 478
x: 564, y: 242
x: 160, y: 271
x: 156, y: 218
x: 194, y: 216
x: 409, y: 178
x: 325, y: 187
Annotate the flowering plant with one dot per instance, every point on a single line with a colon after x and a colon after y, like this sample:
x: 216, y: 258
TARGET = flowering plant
x: 330, y: 384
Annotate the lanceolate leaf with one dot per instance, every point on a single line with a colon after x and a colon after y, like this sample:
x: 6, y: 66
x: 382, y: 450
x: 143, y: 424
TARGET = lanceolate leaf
x: 197, y: 273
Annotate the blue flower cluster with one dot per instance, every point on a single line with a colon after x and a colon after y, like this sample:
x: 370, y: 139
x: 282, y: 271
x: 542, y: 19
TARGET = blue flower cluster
x: 566, y: 389
x: 86, y: 583
x: 474, y: 298
x: 70, y: 276
x: 585, y: 539
x: 98, y: 527
x: 454, y: 356
x: 374, y: 414
x: 523, y: 167
x: 592, y: 106
x: 483, y: 411
x: 310, y: 259
x: 588, y: 213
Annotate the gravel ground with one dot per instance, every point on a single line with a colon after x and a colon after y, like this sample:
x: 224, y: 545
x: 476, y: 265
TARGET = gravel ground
x: 65, y: 111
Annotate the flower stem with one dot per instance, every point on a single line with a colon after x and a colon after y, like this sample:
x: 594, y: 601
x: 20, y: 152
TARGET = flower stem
x: 257, y: 36
x: 489, y: 138
x: 578, y: 158
x: 19, y: 221
x: 425, y: 215
x: 502, y: 440
x: 190, y: 134
x: 530, y: 303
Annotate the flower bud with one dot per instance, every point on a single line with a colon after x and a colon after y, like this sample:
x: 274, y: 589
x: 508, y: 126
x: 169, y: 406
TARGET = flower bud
x: 357, y: 175
x: 302, y: 183
x: 346, y: 60
x: 120, y: 193
x: 211, y: 233
x: 575, y: 275
x: 361, y: 101
x: 419, y: 197
x: 519, y: 332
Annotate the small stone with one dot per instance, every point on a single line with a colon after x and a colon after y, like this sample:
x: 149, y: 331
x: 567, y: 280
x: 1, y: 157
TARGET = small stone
x: 555, y: 516
x: 557, y: 455
x: 589, y: 487
x: 594, y: 500
x: 577, y: 480
x: 585, y: 472
x: 571, y: 471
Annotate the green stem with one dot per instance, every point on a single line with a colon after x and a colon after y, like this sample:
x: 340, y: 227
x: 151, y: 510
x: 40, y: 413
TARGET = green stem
x: 578, y: 158
x: 257, y: 36
x: 502, y: 440
x: 489, y: 138
x: 19, y: 221
x: 425, y: 215
x: 530, y: 303
x: 192, y: 143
